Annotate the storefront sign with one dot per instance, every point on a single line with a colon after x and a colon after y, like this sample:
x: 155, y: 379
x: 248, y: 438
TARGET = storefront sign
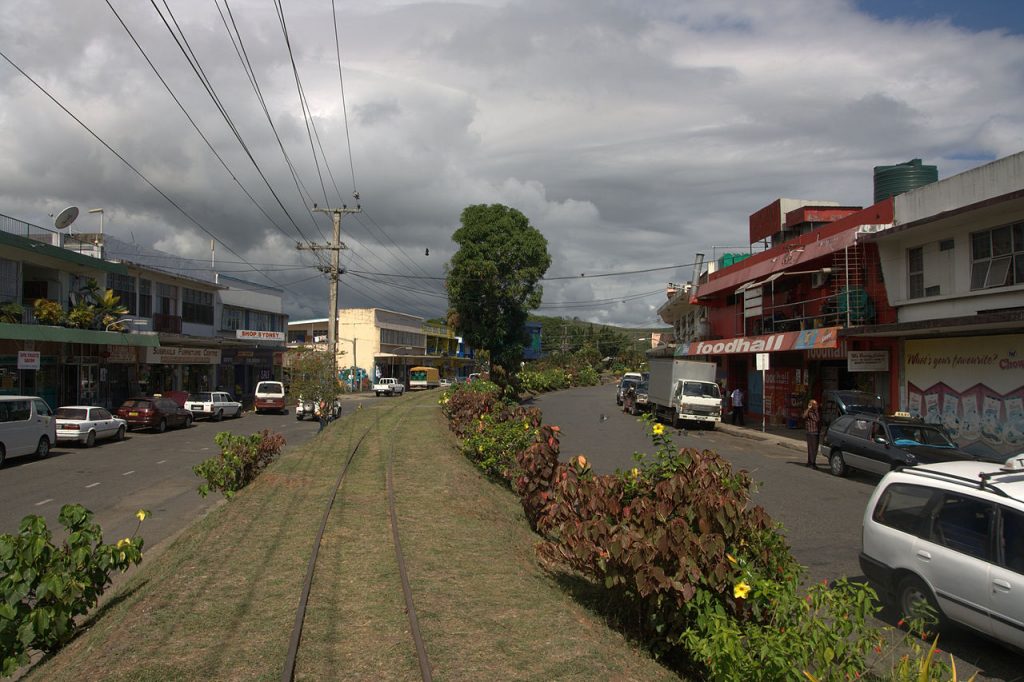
x: 29, y: 359
x: 181, y: 355
x: 826, y: 337
x: 122, y: 355
x: 253, y: 335
x: 867, y: 361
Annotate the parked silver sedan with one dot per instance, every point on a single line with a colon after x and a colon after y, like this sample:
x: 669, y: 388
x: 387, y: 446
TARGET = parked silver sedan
x: 86, y: 424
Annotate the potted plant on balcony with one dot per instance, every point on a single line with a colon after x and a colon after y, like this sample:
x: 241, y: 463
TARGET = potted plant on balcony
x: 48, y: 312
x: 11, y: 313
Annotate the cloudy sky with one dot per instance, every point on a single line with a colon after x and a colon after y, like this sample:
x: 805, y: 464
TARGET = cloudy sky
x: 632, y: 133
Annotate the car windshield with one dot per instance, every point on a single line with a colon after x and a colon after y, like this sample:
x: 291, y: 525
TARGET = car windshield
x: 642, y: 388
x: 71, y: 413
x: 200, y: 397
x: 140, y: 404
x: 627, y: 384
x: 701, y: 389
x: 919, y: 434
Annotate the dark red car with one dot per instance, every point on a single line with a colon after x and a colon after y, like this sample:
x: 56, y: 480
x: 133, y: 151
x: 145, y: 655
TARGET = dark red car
x: 154, y: 412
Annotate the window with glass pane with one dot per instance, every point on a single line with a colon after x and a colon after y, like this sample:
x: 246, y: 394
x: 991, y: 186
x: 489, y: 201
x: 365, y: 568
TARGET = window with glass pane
x: 260, y: 321
x: 145, y: 297
x: 167, y: 298
x: 915, y: 271
x: 123, y: 287
x: 997, y: 257
x: 232, y: 319
x: 1012, y: 540
x: 196, y: 306
x: 8, y: 280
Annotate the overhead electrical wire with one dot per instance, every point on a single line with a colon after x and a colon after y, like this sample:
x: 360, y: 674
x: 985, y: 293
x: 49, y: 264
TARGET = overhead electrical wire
x: 127, y: 163
x: 192, y: 121
x: 197, y: 68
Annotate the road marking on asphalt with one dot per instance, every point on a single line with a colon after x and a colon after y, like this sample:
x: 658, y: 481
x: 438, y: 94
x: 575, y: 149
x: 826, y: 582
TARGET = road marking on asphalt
x: 92, y: 485
x: 128, y: 473
x: 40, y: 504
x: 161, y: 461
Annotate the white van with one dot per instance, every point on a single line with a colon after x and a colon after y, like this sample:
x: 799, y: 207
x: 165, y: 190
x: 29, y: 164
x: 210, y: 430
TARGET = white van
x: 27, y: 426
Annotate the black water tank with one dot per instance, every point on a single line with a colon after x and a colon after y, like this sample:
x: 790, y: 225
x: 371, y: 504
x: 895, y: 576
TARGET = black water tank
x: 903, y: 177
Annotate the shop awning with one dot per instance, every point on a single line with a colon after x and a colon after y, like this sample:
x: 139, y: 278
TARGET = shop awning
x: 65, y: 255
x: 824, y: 337
x: 40, y: 332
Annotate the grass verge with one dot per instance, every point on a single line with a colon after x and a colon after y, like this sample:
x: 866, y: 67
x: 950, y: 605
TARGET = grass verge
x: 219, y: 603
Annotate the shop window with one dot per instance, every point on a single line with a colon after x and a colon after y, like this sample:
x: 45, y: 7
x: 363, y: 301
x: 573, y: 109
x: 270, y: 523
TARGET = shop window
x: 145, y: 297
x: 997, y: 257
x: 123, y: 287
x: 260, y: 321
x: 196, y: 306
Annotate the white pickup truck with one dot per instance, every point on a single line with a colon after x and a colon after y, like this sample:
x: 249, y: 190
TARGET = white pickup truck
x: 388, y: 386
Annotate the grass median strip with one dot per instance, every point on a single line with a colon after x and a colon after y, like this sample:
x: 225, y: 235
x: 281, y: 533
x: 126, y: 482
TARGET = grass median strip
x: 220, y: 602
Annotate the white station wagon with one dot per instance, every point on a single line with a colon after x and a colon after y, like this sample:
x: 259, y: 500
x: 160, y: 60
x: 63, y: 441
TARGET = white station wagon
x: 214, y: 405
x: 951, y: 535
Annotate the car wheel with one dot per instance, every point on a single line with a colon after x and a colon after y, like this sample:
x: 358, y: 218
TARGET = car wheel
x: 120, y: 433
x: 238, y: 413
x: 90, y: 440
x: 43, y: 449
x: 836, y: 463
x: 162, y: 426
x: 916, y: 602
x: 220, y: 415
x: 3, y: 454
x: 188, y: 421
x: 299, y: 415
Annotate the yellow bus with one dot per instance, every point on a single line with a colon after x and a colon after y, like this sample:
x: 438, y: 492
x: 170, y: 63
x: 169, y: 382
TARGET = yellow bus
x: 423, y: 377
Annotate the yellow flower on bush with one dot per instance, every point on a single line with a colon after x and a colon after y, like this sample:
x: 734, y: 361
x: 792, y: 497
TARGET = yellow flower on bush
x: 658, y: 429
x: 731, y: 558
x: 741, y: 590
x: 122, y: 543
x: 581, y: 462
x: 635, y: 472
x: 142, y: 514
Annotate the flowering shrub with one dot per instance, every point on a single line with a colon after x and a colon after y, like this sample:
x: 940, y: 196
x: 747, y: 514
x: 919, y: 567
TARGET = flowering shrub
x: 706, y: 574
x: 556, y: 378
x: 43, y: 587
x: 499, y: 437
x: 241, y: 460
x: 464, y: 404
x: 538, y: 467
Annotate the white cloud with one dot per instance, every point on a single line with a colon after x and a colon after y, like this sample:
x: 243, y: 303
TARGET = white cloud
x: 633, y: 135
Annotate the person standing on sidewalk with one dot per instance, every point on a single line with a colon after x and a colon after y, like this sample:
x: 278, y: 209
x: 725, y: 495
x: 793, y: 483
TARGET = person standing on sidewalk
x: 812, y: 424
x: 737, y: 406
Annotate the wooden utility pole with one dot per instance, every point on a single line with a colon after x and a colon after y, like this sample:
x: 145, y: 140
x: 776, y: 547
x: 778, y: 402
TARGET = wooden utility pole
x: 333, y: 275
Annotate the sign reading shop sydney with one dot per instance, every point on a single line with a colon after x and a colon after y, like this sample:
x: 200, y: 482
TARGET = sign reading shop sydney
x: 826, y: 337
x: 254, y: 335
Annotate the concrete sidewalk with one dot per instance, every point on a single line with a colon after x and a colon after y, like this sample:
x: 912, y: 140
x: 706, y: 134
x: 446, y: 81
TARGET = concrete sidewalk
x: 778, y: 435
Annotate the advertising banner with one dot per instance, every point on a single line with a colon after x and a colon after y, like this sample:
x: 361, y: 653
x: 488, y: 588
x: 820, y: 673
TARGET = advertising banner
x: 974, y: 386
x: 867, y: 361
x: 29, y: 359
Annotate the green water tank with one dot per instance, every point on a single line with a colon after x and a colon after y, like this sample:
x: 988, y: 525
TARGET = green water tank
x: 903, y: 177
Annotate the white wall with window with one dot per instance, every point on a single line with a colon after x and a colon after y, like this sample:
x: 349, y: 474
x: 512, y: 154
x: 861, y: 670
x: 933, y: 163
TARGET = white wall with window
x: 957, y: 246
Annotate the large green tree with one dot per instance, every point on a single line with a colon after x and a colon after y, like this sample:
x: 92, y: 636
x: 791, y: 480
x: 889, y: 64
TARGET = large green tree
x: 312, y: 375
x: 492, y: 282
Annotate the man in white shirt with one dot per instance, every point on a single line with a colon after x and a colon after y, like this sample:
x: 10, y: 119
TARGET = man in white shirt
x: 737, y: 406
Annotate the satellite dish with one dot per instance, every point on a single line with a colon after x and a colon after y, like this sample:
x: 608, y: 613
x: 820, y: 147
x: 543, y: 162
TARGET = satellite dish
x: 65, y: 217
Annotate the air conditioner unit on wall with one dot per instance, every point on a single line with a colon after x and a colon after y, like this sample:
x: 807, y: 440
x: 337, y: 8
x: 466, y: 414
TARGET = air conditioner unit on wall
x: 819, y: 279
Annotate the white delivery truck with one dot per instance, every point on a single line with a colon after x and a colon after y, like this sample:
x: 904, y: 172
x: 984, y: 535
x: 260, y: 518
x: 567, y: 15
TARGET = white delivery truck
x: 684, y: 391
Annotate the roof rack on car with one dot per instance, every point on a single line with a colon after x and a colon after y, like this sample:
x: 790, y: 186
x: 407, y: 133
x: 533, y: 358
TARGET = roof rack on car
x: 982, y: 482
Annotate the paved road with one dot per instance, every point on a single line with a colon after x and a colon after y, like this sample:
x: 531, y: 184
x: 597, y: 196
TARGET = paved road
x: 147, y: 470
x: 821, y: 513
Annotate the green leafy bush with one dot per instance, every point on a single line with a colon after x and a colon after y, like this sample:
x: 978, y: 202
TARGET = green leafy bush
x: 241, y: 460
x: 44, y: 587
x: 704, y: 576
x: 499, y: 438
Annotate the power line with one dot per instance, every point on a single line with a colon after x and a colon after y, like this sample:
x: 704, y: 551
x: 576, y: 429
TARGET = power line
x: 127, y: 163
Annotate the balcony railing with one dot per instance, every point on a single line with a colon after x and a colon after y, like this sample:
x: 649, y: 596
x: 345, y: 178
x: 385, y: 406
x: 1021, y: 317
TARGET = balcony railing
x: 167, y: 323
